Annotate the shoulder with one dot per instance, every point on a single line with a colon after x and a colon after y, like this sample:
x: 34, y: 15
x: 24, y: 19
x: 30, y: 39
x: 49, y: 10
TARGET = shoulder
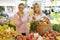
x: 15, y: 15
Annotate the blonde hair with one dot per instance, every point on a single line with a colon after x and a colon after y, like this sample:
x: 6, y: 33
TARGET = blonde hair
x: 38, y: 6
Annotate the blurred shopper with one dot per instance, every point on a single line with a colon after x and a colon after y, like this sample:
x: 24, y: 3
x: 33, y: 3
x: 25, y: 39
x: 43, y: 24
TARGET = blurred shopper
x: 21, y: 20
x: 31, y: 11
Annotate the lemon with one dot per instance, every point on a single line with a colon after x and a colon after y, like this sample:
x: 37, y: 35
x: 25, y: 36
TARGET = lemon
x: 0, y: 38
x: 1, y: 27
x: 12, y: 29
x: 58, y: 37
x: 5, y: 26
x: 45, y: 23
x: 12, y: 22
x: 29, y: 25
x: 3, y: 38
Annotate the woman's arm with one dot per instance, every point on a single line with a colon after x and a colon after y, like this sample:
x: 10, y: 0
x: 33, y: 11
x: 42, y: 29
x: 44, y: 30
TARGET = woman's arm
x: 32, y: 18
x: 17, y: 21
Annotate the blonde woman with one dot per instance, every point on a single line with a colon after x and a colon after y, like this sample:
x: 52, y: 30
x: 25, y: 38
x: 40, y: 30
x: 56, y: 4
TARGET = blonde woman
x: 21, y: 20
x: 38, y: 15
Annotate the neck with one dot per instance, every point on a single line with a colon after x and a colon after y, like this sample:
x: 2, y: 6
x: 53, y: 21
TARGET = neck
x: 37, y: 13
x: 21, y: 12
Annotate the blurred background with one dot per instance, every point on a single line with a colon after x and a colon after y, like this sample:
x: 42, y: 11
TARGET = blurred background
x: 50, y: 7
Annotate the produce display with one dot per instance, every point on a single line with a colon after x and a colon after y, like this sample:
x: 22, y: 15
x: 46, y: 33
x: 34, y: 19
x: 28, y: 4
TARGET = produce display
x: 51, y: 35
x: 31, y: 36
x: 56, y: 27
x: 39, y: 30
x: 4, y: 20
x: 7, y: 33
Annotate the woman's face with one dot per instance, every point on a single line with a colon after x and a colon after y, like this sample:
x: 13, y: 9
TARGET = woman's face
x: 37, y: 9
x: 21, y: 8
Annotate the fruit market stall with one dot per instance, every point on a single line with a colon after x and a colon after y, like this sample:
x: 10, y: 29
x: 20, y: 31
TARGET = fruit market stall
x: 37, y: 32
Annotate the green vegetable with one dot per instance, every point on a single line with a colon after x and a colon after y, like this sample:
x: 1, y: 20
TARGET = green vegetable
x: 33, y: 26
x: 56, y: 27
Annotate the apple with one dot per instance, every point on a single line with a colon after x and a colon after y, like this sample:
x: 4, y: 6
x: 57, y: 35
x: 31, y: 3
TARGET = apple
x: 33, y: 39
x: 24, y: 37
x: 45, y: 35
x: 20, y: 38
x: 47, y: 38
x: 31, y: 35
x: 52, y: 38
x: 49, y: 35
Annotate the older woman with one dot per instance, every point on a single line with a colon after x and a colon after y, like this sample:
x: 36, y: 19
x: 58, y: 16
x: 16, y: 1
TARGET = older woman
x: 21, y: 20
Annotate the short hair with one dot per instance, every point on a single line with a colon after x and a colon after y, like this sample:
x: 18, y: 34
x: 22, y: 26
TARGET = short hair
x: 20, y: 4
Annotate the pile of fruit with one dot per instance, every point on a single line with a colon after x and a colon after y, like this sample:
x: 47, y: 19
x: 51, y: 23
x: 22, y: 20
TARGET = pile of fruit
x: 4, y: 20
x: 42, y: 23
x: 31, y: 36
x: 7, y: 33
x: 51, y: 35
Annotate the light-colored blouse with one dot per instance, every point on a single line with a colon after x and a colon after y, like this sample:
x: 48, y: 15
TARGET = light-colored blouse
x: 38, y: 17
x: 21, y: 25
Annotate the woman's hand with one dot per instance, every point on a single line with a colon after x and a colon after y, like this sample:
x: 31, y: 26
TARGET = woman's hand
x: 33, y: 18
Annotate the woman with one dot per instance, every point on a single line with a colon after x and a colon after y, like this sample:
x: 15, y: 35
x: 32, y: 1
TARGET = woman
x: 38, y: 15
x: 21, y: 20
